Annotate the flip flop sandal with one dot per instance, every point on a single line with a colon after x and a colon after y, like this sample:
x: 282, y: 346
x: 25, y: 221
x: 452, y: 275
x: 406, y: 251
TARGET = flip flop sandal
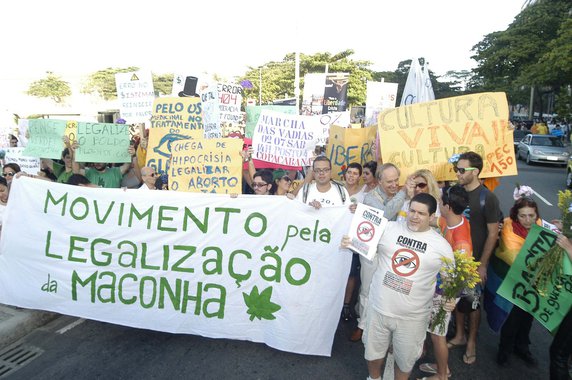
x: 430, y: 368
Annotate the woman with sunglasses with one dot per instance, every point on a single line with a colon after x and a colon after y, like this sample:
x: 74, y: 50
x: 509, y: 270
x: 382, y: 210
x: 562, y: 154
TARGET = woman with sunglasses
x: 9, y: 171
x: 425, y: 182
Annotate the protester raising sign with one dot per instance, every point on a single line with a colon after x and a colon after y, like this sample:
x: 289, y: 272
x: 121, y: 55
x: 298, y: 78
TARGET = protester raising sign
x: 285, y: 139
x: 46, y: 138
x: 426, y: 135
x: 102, y: 142
x: 207, y: 166
x: 259, y: 268
x: 173, y: 119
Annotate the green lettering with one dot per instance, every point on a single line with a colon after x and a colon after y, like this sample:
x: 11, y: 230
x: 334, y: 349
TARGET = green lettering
x: 227, y: 211
x: 107, y: 255
x: 73, y: 248
x: 165, y: 218
x: 47, y: 250
x: 142, y: 291
x: 120, y: 289
x: 263, y: 224
x: 110, y: 287
x: 188, y: 297
x: 219, y: 312
x: 217, y: 261
x: 288, y: 271
x: 203, y: 226
x: 174, y: 296
x: 133, y: 212
x: 177, y: 266
x: 81, y: 201
x: 51, y: 199
x: 75, y: 280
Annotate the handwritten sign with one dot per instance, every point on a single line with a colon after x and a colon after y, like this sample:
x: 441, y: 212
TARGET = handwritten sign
x: 341, y: 119
x: 253, y: 113
x: 379, y: 96
x: 426, y: 135
x: 285, y: 139
x: 256, y: 268
x: 211, y: 112
x: 366, y: 229
x: 102, y: 142
x: 71, y: 131
x: 347, y: 145
x: 548, y: 309
x: 30, y: 165
x: 207, y: 166
x: 46, y: 138
x: 231, y: 118
x: 173, y: 119
x: 136, y: 95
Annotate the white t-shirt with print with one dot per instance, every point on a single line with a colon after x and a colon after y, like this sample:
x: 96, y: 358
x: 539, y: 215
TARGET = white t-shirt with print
x: 329, y: 198
x: 408, y: 262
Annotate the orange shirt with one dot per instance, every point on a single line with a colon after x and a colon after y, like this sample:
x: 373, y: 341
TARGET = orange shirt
x: 459, y: 236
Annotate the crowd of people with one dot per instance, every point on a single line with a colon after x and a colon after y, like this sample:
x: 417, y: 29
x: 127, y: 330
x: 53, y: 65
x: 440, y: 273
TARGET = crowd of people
x: 392, y: 298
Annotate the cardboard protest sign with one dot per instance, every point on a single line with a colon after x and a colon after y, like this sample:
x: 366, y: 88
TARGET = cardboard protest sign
x: 46, y: 138
x: 173, y: 119
x: 253, y: 113
x: 426, y: 135
x: 257, y: 268
x: 207, y: 166
x: 30, y: 165
x: 136, y: 95
x: 102, y: 142
x: 285, y: 139
x: 366, y: 229
x: 231, y: 118
x: 548, y: 309
x: 347, y: 145
x: 71, y: 131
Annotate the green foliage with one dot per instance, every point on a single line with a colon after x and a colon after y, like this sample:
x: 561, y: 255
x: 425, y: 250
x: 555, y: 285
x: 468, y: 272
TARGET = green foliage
x: 259, y: 304
x: 102, y: 82
x: 52, y: 87
x: 533, y: 51
x: 163, y: 83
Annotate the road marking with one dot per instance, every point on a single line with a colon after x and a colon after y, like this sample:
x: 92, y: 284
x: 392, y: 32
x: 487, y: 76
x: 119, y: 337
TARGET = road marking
x: 542, y: 198
x: 67, y: 328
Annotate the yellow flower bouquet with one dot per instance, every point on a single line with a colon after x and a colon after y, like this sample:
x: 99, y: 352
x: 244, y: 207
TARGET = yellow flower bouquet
x: 549, y: 266
x: 455, y: 277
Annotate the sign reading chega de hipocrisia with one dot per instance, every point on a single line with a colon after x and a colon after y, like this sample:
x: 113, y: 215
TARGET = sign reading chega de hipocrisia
x: 260, y: 268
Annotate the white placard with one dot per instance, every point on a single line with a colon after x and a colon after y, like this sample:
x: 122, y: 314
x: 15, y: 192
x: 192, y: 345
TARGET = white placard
x: 365, y: 231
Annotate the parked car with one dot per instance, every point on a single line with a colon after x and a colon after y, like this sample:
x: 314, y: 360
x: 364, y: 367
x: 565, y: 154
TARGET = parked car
x: 518, y: 134
x: 542, y: 148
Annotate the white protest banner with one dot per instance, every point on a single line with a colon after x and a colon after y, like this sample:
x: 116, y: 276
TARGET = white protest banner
x: 365, y: 231
x: 46, y: 138
x: 30, y: 165
x: 259, y: 268
x: 285, y: 139
x: 341, y: 119
x: 136, y: 95
x: 379, y: 96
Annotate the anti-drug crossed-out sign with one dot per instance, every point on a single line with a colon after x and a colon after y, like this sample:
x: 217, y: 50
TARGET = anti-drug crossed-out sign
x: 405, y: 262
x: 367, y: 226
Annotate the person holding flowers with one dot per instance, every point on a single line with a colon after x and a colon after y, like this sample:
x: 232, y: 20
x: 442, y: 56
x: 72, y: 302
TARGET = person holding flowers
x: 456, y: 230
x: 513, y: 322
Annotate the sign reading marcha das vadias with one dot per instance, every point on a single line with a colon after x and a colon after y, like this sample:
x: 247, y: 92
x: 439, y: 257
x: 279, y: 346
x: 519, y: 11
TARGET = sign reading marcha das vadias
x: 260, y: 268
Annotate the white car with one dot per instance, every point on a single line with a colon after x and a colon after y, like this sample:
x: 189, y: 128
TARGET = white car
x: 546, y: 149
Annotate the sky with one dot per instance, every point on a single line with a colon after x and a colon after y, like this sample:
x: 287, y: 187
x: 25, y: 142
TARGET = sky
x: 76, y: 38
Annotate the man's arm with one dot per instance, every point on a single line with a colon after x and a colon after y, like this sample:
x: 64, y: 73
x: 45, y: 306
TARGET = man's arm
x: 490, y: 243
x: 126, y: 166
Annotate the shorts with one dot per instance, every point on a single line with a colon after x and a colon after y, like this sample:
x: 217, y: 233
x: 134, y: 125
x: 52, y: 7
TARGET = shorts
x: 470, y: 300
x: 354, y: 270
x: 407, y: 337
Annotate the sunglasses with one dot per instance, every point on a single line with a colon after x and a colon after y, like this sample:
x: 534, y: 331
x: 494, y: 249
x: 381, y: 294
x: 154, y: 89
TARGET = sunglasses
x: 8, y: 174
x: 257, y: 185
x: 462, y: 170
x: 421, y: 185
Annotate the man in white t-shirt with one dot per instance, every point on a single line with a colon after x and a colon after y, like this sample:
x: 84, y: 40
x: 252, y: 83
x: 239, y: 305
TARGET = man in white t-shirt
x: 323, y: 192
x: 409, y: 256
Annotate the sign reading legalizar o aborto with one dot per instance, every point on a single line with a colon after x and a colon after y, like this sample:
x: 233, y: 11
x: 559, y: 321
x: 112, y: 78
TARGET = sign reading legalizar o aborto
x: 426, y: 135
x: 259, y: 268
x: 207, y: 166
x: 173, y: 119
x: 365, y: 231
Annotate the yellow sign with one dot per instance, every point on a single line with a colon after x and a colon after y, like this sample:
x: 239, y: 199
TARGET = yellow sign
x: 71, y: 130
x: 173, y: 119
x: 426, y: 135
x: 208, y: 166
x: 347, y: 145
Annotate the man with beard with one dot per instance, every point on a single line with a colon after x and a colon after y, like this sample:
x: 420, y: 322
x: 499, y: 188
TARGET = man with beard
x: 100, y: 174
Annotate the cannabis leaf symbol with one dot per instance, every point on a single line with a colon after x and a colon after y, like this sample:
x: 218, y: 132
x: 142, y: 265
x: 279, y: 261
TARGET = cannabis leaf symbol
x: 259, y: 304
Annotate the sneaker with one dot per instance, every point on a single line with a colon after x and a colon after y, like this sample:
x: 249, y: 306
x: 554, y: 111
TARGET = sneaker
x: 527, y: 357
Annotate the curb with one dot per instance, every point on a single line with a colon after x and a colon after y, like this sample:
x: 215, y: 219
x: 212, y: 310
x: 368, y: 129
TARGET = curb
x: 16, y: 323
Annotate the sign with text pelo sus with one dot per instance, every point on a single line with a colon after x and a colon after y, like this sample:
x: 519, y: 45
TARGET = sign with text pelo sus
x: 208, y: 166
x: 426, y: 135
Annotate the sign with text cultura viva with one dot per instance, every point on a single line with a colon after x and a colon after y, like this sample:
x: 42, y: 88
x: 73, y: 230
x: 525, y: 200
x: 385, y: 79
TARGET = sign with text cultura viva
x: 259, y: 268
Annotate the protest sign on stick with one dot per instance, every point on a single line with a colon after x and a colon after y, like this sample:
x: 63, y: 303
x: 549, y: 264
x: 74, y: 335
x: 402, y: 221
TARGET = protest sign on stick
x: 347, y: 145
x: 46, y: 138
x: 207, y: 166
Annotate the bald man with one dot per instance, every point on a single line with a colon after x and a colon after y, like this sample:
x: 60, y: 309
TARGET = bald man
x: 148, y: 176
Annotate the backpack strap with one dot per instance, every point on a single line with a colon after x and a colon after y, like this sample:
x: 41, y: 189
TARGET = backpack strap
x: 340, y: 190
x: 305, y: 190
x: 483, y: 197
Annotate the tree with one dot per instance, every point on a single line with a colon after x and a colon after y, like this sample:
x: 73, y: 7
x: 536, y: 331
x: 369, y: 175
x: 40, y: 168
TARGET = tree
x: 102, y: 82
x: 52, y: 87
x: 163, y: 83
x: 512, y: 60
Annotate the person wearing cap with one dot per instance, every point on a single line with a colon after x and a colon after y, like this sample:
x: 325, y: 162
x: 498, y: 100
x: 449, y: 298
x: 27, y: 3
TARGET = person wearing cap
x: 282, y: 182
